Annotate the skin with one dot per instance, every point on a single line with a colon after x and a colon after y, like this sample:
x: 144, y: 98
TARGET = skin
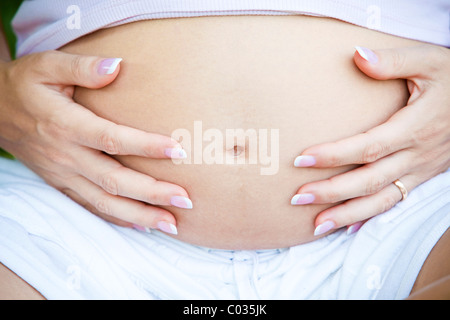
x: 52, y: 133
x: 413, y: 145
x: 391, y: 188
x: 433, y: 281
x: 182, y: 73
x: 417, y: 161
x: 13, y: 287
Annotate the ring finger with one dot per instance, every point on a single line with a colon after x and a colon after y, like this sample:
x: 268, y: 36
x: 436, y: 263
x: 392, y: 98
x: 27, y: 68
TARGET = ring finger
x: 363, y: 181
x: 362, y: 208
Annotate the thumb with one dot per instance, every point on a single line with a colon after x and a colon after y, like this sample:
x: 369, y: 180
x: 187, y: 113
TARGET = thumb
x: 398, y: 63
x: 61, y: 68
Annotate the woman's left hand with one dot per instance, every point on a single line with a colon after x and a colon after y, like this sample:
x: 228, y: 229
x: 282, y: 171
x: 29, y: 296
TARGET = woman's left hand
x: 412, y: 146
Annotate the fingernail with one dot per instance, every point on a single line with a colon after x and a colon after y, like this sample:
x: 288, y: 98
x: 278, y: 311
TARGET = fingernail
x: 167, y: 227
x: 367, y: 54
x: 354, y: 228
x: 302, y: 198
x: 108, y: 66
x: 181, y: 202
x: 324, y: 227
x: 175, y: 153
x: 304, y: 161
x: 141, y: 228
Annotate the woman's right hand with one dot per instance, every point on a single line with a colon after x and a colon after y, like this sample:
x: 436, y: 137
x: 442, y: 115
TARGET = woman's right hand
x: 68, y: 146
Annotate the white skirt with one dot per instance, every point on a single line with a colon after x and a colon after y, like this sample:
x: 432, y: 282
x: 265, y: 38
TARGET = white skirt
x: 65, y: 252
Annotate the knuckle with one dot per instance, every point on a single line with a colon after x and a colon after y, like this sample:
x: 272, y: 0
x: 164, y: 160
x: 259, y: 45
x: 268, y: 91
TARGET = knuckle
x: 331, y: 196
x: 375, y: 184
x: 156, y: 194
x: 76, y: 67
x: 108, y: 143
x: 373, y: 152
x: 388, y: 202
x: 109, y: 183
x: 334, y: 160
x: 103, y: 205
x: 60, y: 158
x: 329, y: 191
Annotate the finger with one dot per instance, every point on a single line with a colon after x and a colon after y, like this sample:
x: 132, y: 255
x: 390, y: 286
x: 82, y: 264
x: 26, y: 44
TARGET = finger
x: 362, y: 148
x: 362, y: 181
x: 101, y: 134
x: 354, y: 227
x: 83, y: 202
x: 61, y: 68
x: 362, y: 208
x: 399, y: 63
x: 119, y: 180
x: 115, y: 208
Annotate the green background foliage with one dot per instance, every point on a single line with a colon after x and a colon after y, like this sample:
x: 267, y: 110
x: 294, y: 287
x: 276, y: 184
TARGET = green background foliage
x: 8, y: 9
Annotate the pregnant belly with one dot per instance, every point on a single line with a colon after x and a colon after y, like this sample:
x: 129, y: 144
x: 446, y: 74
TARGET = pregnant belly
x: 244, y: 96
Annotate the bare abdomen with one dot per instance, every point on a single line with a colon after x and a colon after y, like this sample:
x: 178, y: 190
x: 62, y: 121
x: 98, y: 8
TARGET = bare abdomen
x: 247, y: 94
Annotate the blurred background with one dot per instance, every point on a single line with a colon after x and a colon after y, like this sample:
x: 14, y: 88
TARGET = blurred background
x: 8, y: 9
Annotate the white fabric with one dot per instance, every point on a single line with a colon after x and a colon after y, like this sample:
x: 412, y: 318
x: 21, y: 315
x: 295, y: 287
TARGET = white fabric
x: 66, y: 252
x: 49, y: 24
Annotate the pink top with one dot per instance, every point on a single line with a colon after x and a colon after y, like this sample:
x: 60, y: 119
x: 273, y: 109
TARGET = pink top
x: 48, y: 24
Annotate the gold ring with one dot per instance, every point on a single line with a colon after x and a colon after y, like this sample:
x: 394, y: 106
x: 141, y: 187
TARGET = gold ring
x: 402, y: 189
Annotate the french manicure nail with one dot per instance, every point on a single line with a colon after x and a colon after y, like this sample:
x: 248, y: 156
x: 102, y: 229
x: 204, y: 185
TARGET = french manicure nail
x: 108, y: 66
x: 305, y: 161
x: 367, y: 54
x: 302, y: 198
x: 175, y: 153
x: 141, y: 228
x: 324, y: 227
x: 181, y: 202
x: 167, y: 227
x: 354, y: 228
